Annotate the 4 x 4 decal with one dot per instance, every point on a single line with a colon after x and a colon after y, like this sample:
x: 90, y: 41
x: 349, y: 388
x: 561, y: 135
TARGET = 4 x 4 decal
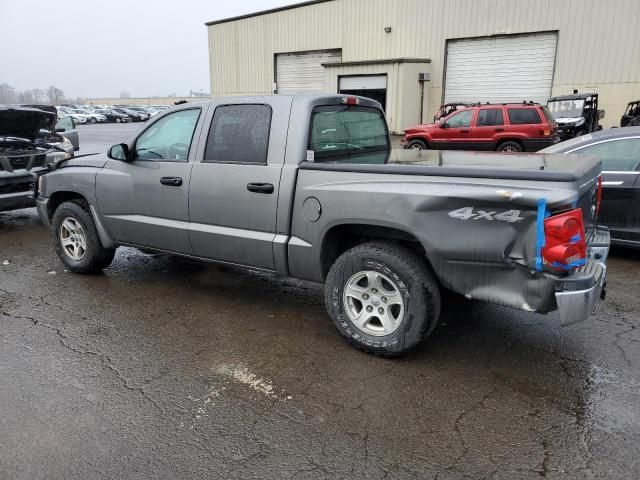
x: 470, y: 213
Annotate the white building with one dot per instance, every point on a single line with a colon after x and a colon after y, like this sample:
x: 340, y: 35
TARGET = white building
x: 414, y: 55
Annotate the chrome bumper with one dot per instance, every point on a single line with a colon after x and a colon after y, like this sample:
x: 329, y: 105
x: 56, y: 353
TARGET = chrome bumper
x: 578, y: 294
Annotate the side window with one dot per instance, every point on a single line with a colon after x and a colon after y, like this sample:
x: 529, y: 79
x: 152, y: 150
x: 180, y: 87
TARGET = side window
x: 460, y: 120
x: 523, y: 116
x: 169, y: 139
x: 239, y: 134
x: 617, y: 155
x: 490, y: 117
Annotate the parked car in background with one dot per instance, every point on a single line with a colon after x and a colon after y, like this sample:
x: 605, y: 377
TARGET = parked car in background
x: 92, y: 117
x: 619, y: 150
x: 631, y: 117
x: 576, y: 114
x: 67, y: 112
x: 512, y: 127
x: 309, y: 187
x: 135, y: 116
x: 63, y: 134
x: 113, y: 116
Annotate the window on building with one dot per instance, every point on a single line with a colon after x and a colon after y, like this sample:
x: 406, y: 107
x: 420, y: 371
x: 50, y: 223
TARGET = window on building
x: 524, y: 116
x: 490, y: 117
x: 239, y: 134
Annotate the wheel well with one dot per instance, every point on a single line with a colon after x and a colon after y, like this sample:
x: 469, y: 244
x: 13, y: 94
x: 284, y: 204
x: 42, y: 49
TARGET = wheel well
x: 422, y: 139
x: 59, y: 198
x: 344, y: 237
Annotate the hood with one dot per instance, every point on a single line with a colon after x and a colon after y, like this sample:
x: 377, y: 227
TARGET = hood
x: 421, y: 128
x: 562, y: 120
x: 25, y: 122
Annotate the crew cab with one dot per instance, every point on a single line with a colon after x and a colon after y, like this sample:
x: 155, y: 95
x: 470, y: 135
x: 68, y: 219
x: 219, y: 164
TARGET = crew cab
x: 500, y: 127
x: 308, y: 187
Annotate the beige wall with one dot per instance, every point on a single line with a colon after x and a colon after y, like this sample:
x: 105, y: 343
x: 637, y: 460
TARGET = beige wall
x: 598, y: 44
x: 140, y: 101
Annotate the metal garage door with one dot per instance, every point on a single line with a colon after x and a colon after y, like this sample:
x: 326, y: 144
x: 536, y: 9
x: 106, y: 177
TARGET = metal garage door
x: 508, y: 68
x: 303, y: 72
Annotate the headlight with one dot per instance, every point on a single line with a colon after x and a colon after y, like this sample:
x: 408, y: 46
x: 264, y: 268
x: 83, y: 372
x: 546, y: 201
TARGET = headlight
x: 66, y: 143
x: 40, y: 183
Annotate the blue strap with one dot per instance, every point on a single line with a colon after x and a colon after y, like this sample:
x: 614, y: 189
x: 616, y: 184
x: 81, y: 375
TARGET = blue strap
x: 540, y: 240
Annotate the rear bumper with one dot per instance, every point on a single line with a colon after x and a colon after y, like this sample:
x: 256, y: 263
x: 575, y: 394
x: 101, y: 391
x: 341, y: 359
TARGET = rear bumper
x: 535, y: 144
x: 578, y: 294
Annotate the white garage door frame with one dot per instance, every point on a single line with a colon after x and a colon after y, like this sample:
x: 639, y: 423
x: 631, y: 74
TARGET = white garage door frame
x: 373, y: 81
x: 547, y: 94
x: 316, y: 70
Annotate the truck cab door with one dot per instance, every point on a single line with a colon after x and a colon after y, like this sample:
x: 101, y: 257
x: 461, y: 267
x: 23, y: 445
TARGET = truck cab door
x: 454, y: 132
x: 144, y: 200
x: 235, y: 182
x: 67, y: 128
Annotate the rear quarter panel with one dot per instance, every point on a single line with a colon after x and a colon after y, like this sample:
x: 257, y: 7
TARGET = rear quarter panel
x: 456, y: 220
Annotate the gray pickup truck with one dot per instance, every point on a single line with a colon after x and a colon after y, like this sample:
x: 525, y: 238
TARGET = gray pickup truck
x: 309, y: 187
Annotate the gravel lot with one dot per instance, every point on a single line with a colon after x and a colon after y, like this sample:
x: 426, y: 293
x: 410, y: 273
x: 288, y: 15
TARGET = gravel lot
x: 165, y: 368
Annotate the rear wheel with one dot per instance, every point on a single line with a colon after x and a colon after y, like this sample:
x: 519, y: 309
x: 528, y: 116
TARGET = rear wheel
x: 93, y: 120
x: 417, y: 145
x: 382, y: 298
x: 118, y: 120
x: 510, y: 147
x: 76, y: 239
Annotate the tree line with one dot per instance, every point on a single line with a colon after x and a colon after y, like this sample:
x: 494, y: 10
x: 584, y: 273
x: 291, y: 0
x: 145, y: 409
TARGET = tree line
x: 52, y: 95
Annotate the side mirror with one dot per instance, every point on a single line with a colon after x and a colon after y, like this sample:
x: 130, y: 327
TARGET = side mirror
x: 60, y: 130
x: 119, y: 151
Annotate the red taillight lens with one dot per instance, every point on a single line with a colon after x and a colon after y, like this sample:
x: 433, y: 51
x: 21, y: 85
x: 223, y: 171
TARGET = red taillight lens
x: 351, y: 100
x: 545, y: 132
x: 599, y: 197
x: 565, y: 245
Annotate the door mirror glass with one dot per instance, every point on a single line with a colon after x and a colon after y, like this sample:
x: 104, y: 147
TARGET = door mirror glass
x: 119, y: 152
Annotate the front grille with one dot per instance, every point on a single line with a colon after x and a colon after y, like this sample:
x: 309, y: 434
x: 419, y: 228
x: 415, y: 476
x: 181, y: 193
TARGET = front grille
x: 26, y: 185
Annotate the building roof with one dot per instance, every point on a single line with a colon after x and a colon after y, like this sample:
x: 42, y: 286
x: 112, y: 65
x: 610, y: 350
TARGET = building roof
x: 266, y: 12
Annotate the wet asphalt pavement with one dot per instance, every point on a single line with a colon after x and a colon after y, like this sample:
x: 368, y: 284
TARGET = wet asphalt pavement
x: 166, y: 368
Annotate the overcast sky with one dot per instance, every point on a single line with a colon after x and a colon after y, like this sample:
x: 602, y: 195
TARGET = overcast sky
x: 98, y: 48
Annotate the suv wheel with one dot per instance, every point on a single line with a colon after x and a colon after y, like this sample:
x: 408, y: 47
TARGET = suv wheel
x: 93, y: 120
x: 76, y: 239
x: 382, y: 298
x: 510, y: 147
x: 417, y: 145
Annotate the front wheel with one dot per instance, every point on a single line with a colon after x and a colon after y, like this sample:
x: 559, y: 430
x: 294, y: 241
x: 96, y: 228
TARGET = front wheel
x: 382, y: 298
x: 93, y: 120
x: 417, y: 145
x: 76, y: 239
x: 118, y: 120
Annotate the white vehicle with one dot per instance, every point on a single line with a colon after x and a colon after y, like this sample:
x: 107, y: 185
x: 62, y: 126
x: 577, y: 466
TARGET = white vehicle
x: 67, y: 112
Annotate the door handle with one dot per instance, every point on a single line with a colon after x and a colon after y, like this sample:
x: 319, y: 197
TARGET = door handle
x: 266, y: 188
x: 464, y: 131
x: 499, y: 130
x: 171, y: 181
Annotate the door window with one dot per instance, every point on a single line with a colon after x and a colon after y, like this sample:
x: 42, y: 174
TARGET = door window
x: 621, y: 155
x: 65, y: 124
x: 490, y: 117
x: 460, y: 120
x: 239, y: 134
x: 169, y: 139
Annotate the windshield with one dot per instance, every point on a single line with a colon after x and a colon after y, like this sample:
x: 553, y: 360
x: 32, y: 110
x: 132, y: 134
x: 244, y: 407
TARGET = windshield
x: 566, y: 108
x: 345, y: 130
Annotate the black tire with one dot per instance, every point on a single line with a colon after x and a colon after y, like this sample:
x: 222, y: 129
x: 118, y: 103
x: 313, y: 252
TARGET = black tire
x: 93, y: 120
x: 415, y: 282
x: 510, y: 146
x: 417, y: 145
x: 95, y: 257
x: 118, y: 120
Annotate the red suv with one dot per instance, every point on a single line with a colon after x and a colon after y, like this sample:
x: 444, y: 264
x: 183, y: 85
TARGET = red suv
x: 509, y: 127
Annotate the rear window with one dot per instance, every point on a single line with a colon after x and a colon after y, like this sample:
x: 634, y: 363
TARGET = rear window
x: 347, y: 130
x: 523, y: 116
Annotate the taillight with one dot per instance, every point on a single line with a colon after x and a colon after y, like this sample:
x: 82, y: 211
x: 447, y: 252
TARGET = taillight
x: 545, y: 132
x: 565, y: 246
x: 598, y: 197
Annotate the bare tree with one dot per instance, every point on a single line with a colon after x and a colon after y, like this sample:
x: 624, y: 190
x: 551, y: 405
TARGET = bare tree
x: 124, y: 94
x: 55, y: 95
x: 38, y: 95
x: 7, y: 93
